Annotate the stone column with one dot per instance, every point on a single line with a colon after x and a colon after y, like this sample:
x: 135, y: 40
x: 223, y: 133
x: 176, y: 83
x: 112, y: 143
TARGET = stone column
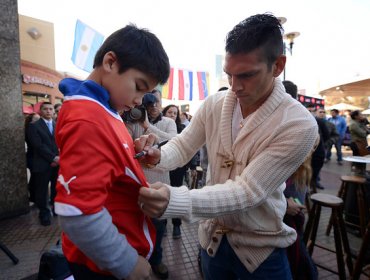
x: 13, y: 176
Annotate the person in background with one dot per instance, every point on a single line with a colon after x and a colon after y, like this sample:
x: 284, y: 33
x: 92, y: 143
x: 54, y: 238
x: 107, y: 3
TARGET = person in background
x: 57, y: 108
x: 105, y: 233
x: 318, y: 156
x: 340, y: 124
x: 256, y: 137
x: 297, y: 187
x: 45, y: 161
x: 333, y: 134
x: 165, y: 129
x: 184, y: 119
x: 176, y: 176
x: 359, y: 133
x: 31, y: 118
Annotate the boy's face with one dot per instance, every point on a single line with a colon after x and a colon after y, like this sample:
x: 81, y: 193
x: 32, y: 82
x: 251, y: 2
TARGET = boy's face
x: 127, y: 89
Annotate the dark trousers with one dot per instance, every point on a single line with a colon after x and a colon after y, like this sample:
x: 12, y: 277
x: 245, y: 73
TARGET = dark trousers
x: 156, y: 257
x: 81, y: 272
x: 177, y: 180
x: 316, y: 164
x: 41, y: 184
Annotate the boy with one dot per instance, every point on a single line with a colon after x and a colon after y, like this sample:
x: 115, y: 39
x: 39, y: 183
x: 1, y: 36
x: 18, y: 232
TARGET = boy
x: 105, y: 234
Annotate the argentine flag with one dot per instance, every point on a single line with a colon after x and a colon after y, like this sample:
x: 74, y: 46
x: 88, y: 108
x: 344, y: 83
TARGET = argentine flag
x: 87, y: 42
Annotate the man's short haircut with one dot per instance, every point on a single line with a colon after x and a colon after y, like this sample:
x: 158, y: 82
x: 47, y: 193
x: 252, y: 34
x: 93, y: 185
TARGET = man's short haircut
x: 45, y: 103
x: 355, y: 114
x: 57, y: 105
x: 261, y: 31
x: 335, y: 111
x: 139, y: 49
x: 311, y: 106
x: 291, y: 88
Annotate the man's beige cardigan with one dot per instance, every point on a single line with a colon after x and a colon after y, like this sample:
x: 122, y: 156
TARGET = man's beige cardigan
x: 244, y: 194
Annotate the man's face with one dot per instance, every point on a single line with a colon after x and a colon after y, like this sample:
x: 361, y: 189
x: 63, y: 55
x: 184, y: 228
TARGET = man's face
x: 127, y: 89
x: 47, y: 111
x: 333, y: 114
x: 320, y: 114
x: 250, y: 77
x: 154, y: 110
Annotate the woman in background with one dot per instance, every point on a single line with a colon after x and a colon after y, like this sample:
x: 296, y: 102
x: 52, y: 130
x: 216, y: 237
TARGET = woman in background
x: 176, y: 176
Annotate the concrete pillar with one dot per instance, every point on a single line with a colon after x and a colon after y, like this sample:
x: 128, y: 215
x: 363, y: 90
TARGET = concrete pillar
x: 13, y: 176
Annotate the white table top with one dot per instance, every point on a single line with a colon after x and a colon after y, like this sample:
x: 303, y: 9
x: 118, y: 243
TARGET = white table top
x: 358, y: 159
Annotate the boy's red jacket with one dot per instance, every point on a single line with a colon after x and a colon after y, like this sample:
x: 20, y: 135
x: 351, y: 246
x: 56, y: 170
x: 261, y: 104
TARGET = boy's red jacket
x: 97, y: 170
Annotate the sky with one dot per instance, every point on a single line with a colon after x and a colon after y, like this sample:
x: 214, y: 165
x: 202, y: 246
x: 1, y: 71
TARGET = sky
x: 333, y: 46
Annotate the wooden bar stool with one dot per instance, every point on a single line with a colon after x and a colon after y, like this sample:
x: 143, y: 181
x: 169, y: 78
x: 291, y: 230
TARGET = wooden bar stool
x: 359, y: 182
x: 361, y: 255
x: 340, y: 235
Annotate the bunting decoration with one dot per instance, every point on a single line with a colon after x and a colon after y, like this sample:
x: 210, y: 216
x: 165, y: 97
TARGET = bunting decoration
x: 186, y: 85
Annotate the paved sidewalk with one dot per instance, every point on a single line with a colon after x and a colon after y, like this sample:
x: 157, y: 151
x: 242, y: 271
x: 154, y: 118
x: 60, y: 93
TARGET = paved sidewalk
x: 28, y: 240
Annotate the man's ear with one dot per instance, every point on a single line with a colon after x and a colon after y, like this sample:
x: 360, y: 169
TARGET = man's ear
x: 279, y: 65
x: 109, y: 61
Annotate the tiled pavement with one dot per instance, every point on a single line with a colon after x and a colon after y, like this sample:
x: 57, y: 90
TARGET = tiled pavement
x: 27, y: 240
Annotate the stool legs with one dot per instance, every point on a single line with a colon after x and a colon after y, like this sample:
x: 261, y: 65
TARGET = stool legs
x: 342, y: 248
x: 8, y: 253
x: 361, y: 255
x: 342, y: 194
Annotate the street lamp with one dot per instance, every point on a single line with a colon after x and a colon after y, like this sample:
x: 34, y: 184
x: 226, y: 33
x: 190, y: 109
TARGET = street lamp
x: 290, y: 38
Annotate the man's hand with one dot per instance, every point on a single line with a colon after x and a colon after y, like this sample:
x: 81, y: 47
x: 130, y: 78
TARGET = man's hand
x: 55, y: 162
x: 145, y: 143
x: 293, y: 207
x: 154, y: 200
x: 142, y: 270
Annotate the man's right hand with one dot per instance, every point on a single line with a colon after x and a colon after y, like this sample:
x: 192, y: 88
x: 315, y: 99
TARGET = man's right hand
x: 142, y: 270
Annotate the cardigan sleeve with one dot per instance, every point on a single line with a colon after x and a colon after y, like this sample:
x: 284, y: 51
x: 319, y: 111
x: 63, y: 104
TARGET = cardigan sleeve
x: 269, y: 168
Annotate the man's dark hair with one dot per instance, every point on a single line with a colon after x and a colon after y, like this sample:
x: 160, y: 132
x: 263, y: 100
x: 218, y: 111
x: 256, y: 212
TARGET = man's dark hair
x: 291, y: 88
x: 139, y: 49
x: 355, y: 114
x: 335, y: 111
x: 262, y: 31
x: 45, y: 103
x: 57, y: 105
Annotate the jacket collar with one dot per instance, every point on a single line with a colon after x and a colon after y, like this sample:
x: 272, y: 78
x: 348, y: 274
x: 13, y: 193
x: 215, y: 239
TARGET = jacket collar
x: 258, y: 117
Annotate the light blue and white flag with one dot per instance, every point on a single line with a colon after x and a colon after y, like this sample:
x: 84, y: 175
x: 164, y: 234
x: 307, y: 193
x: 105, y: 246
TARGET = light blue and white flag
x: 87, y: 42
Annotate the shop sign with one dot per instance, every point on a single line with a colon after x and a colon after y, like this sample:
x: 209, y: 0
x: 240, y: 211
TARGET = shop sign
x: 27, y: 79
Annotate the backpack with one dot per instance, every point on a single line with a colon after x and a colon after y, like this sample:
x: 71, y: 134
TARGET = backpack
x: 53, y: 264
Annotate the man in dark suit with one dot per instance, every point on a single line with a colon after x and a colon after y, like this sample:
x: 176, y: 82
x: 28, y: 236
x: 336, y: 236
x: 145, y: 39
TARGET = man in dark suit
x: 45, y: 160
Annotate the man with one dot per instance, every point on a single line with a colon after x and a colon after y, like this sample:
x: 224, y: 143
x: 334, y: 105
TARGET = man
x: 332, y: 130
x: 45, y: 160
x: 318, y: 156
x: 256, y: 137
x: 57, y: 108
x: 165, y: 129
x: 105, y: 234
x: 340, y: 124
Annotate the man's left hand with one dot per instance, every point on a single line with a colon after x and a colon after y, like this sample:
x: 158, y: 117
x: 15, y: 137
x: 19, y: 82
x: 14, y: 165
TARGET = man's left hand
x: 154, y: 200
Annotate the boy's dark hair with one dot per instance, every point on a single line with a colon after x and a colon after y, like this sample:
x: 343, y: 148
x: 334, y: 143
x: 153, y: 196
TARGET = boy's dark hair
x: 262, y: 31
x: 355, y: 114
x: 291, y: 88
x: 139, y: 49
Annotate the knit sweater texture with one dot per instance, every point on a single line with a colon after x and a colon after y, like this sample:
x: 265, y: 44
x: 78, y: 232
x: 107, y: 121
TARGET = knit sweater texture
x: 244, y: 196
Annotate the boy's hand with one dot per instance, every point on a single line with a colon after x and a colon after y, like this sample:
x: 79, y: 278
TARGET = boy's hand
x: 145, y: 143
x: 142, y: 270
x: 154, y: 200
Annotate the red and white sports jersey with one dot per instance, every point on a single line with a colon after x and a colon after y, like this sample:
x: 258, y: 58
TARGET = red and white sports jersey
x: 97, y: 170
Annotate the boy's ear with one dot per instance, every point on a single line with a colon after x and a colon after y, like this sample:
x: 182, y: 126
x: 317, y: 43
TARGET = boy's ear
x: 109, y: 61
